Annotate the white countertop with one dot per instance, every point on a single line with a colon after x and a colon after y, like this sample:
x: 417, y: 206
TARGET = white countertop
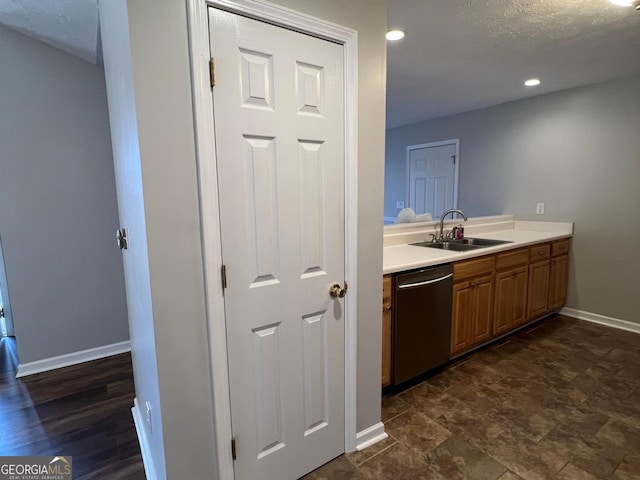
x: 401, y: 257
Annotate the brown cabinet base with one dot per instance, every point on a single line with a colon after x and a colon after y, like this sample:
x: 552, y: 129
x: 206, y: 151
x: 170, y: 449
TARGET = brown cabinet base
x: 494, y: 295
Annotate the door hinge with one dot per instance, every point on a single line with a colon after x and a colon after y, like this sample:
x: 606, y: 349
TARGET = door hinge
x: 454, y: 159
x: 212, y: 72
x: 233, y: 448
x: 223, y: 274
x: 121, y: 238
x: 1, y: 312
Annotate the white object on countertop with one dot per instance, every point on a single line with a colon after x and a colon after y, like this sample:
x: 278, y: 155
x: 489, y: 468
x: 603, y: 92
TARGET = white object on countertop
x: 408, y: 215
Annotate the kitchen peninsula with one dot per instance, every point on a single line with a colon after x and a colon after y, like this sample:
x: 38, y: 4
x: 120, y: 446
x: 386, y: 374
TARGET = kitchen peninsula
x: 495, y: 289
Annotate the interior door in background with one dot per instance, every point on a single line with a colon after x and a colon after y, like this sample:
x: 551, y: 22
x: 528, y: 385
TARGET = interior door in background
x: 432, y: 177
x: 279, y: 123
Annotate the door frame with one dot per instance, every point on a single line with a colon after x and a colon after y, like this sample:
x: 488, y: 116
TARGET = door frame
x: 208, y: 197
x: 4, y: 300
x: 456, y: 167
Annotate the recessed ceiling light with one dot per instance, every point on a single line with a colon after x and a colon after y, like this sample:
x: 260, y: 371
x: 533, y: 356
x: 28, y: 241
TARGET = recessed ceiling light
x: 627, y: 3
x: 395, y: 34
x: 532, y: 82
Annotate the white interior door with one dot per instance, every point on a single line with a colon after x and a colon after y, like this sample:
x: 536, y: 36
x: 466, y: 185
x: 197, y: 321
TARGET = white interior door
x: 432, y: 179
x: 279, y: 125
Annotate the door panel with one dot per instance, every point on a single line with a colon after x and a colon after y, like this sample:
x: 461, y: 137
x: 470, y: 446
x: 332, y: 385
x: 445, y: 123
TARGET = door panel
x: 461, y: 317
x: 558, y: 281
x: 483, y: 310
x: 504, y: 302
x: 279, y: 116
x: 520, y: 279
x: 538, y: 290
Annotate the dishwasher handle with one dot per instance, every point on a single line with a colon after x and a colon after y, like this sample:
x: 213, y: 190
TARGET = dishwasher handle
x: 426, y: 282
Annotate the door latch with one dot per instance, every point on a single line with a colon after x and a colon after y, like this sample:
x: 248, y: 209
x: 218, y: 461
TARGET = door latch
x: 121, y: 238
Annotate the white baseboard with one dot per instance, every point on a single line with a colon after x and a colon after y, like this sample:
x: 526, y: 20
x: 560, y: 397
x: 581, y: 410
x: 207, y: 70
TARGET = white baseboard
x: 601, y: 319
x: 74, y: 358
x: 149, y: 469
x: 369, y: 436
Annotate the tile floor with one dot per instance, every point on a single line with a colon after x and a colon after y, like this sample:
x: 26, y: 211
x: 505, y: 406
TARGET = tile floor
x: 559, y: 400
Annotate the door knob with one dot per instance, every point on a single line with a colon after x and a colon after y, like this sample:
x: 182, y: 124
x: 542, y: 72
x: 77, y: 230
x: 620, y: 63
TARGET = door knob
x: 336, y: 291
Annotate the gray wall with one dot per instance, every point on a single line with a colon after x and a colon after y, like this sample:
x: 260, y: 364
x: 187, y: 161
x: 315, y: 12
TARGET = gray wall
x: 147, y: 66
x: 152, y: 125
x: 578, y: 151
x: 126, y: 158
x: 58, y: 210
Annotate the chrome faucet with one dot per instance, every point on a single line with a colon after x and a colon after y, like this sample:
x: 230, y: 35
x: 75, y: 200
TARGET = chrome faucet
x: 452, y: 211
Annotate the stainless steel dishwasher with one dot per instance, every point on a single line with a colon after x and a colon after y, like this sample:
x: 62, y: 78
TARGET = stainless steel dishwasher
x: 421, y: 321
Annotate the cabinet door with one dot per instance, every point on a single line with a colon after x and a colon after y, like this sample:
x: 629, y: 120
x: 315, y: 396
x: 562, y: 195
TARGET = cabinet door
x: 520, y: 282
x: 386, y: 330
x: 504, y: 302
x: 558, y: 281
x: 461, y: 317
x: 538, y: 289
x: 510, y: 305
x: 386, y: 345
x: 482, y: 309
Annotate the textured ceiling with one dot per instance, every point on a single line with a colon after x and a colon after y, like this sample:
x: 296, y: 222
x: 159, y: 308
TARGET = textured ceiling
x: 461, y: 55
x: 70, y: 25
x: 458, y: 55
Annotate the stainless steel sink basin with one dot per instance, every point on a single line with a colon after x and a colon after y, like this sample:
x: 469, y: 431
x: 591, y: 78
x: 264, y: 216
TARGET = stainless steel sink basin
x: 455, y: 246
x: 481, y: 242
x: 463, y: 245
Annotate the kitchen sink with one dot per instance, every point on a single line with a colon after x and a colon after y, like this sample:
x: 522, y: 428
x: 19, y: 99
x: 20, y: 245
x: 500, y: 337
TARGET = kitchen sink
x: 455, y: 246
x: 481, y: 242
x: 463, y: 245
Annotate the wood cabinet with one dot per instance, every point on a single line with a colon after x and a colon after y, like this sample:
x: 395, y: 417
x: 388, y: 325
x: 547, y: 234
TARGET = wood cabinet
x: 558, y: 274
x: 472, y: 309
x: 386, y: 330
x: 495, y: 294
x: 510, y: 300
x: 538, y: 291
x: 548, y: 278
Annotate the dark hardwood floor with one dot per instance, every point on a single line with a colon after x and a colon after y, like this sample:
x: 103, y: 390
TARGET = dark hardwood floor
x: 83, y: 411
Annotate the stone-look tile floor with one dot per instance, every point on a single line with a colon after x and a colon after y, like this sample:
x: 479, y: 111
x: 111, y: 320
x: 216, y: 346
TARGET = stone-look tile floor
x: 559, y: 400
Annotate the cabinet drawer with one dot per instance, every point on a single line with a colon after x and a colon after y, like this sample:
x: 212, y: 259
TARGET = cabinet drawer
x: 512, y: 259
x: 539, y: 252
x: 386, y: 290
x: 560, y: 247
x: 472, y: 268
